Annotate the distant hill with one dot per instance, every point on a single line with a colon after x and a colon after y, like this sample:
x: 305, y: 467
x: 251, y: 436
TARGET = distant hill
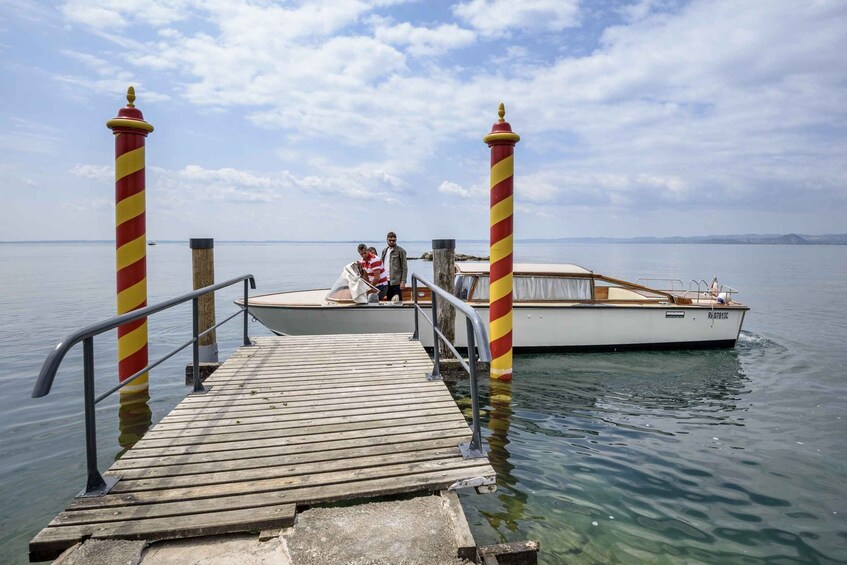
x: 743, y: 239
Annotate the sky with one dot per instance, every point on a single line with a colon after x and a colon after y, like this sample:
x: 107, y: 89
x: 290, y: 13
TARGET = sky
x: 344, y: 119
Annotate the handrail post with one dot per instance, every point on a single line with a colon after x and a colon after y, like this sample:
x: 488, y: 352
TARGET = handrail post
x: 435, y: 375
x: 415, y: 307
x: 195, y: 346
x: 473, y: 449
x: 246, y: 339
x: 95, y: 483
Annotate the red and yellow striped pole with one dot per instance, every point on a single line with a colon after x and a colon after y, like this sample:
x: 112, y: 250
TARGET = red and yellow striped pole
x: 502, y: 142
x: 130, y: 131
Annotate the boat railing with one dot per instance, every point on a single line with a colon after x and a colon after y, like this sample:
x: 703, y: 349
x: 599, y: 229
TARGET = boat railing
x: 701, y: 290
x: 96, y: 485
x: 478, y: 350
x: 671, y: 285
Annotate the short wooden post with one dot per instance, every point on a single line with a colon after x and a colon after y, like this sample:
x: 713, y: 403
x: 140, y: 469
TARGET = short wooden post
x: 203, y: 274
x: 444, y: 269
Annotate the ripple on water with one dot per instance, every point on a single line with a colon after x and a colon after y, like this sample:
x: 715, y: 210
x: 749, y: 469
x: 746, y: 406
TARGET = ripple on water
x: 652, y: 439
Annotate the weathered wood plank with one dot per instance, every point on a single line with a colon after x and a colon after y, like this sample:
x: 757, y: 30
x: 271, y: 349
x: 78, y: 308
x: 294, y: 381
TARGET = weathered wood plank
x: 52, y: 539
x: 279, y: 458
x: 276, y: 414
x: 409, y: 423
x: 284, y: 422
x: 133, y: 506
x: 214, y: 451
x: 283, y: 469
x: 149, y: 499
x: 303, y: 406
x: 232, y: 399
x: 238, y: 375
x: 259, y: 388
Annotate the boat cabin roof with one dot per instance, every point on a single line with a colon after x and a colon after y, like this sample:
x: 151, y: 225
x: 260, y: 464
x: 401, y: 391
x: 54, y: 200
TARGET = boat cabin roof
x: 465, y: 268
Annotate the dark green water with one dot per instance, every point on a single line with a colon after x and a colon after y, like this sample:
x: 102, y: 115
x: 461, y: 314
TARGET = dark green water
x: 734, y: 456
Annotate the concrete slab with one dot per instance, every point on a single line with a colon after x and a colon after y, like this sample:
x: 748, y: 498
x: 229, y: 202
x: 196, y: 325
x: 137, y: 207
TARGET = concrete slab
x: 424, y: 530
x: 417, y: 531
x: 104, y: 552
x: 244, y: 549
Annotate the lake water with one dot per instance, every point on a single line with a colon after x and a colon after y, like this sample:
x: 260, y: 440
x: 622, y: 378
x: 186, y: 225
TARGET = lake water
x: 733, y: 456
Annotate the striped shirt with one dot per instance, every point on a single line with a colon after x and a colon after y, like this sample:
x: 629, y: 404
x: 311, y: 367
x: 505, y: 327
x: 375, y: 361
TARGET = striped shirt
x: 370, y: 265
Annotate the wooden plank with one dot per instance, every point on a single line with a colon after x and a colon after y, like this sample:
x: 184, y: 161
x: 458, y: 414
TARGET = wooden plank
x: 259, y: 388
x: 280, y: 469
x: 284, y: 422
x: 286, y: 458
x: 239, y: 374
x: 150, y: 499
x: 51, y: 541
x: 311, y: 384
x: 211, y: 451
x: 299, y: 406
x: 333, y: 359
x: 352, y: 392
x: 304, y: 494
x: 278, y: 414
x: 286, y: 408
x: 309, y: 354
x: 409, y: 423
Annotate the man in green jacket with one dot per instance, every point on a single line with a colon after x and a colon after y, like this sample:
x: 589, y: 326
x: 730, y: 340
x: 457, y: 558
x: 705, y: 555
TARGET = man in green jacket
x: 394, y: 259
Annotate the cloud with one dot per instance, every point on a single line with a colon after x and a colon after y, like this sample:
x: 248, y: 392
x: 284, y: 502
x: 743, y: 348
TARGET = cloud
x: 493, y: 17
x: 105, y: 14
x: 423, y: 42
x: 649, y: 106
x: 448, y: 187
x: 96, y: 172
x: 87, y: 205
x: 199, y: 184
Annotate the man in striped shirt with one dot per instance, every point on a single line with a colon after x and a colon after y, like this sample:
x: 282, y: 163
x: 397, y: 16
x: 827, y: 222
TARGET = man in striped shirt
x: 374, y: 273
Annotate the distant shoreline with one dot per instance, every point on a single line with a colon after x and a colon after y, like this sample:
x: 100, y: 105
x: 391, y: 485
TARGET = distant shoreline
x: 745, y: 239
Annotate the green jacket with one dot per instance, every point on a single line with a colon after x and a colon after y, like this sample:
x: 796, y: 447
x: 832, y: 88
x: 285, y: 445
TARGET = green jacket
x: 398, y: 270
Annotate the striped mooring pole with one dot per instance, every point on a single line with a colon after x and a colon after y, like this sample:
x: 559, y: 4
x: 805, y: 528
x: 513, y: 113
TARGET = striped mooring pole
x: 502, y: 142
x: 130, y: 131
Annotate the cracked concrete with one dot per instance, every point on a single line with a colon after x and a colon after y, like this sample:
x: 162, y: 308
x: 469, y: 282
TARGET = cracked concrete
x: 416, y: 531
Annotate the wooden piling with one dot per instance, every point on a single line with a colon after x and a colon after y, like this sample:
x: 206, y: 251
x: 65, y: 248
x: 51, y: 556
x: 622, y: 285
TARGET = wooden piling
x: 203, y: 271
x: 444, y: 269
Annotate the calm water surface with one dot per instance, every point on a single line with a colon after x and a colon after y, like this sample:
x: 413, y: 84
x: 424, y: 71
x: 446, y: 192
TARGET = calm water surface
x: 696, y: 457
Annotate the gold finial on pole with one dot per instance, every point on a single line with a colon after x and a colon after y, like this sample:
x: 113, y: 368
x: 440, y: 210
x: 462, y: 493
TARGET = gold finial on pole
x: 501, y: 111
x: 130, y: 97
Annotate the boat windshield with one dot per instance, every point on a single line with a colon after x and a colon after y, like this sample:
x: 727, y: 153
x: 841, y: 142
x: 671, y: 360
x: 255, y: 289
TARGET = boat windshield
x: 540, y: 289
x: 462, y: 286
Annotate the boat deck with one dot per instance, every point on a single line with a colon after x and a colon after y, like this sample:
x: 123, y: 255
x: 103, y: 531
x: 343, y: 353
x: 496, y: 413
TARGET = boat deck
x: 290, y: 421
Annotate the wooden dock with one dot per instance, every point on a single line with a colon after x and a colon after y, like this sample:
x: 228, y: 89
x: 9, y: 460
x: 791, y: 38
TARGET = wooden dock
x: 290, y: 421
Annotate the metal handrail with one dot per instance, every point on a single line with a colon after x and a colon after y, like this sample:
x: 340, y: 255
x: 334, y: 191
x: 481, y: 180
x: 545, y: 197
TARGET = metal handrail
x: 478, y: 350
x: 700, y: 293
x: 96, y: 485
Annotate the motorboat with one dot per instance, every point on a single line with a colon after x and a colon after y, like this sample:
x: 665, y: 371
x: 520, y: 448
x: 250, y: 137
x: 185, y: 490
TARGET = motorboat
x: 556, y: 307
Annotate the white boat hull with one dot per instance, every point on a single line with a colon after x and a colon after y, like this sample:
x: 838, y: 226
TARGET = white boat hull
x: 559, y: 327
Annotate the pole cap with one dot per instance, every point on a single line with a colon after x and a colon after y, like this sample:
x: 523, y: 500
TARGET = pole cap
x: 201, y: 243
x: 501, y: 131
x: 443, y: 244
x: 129, y: 118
